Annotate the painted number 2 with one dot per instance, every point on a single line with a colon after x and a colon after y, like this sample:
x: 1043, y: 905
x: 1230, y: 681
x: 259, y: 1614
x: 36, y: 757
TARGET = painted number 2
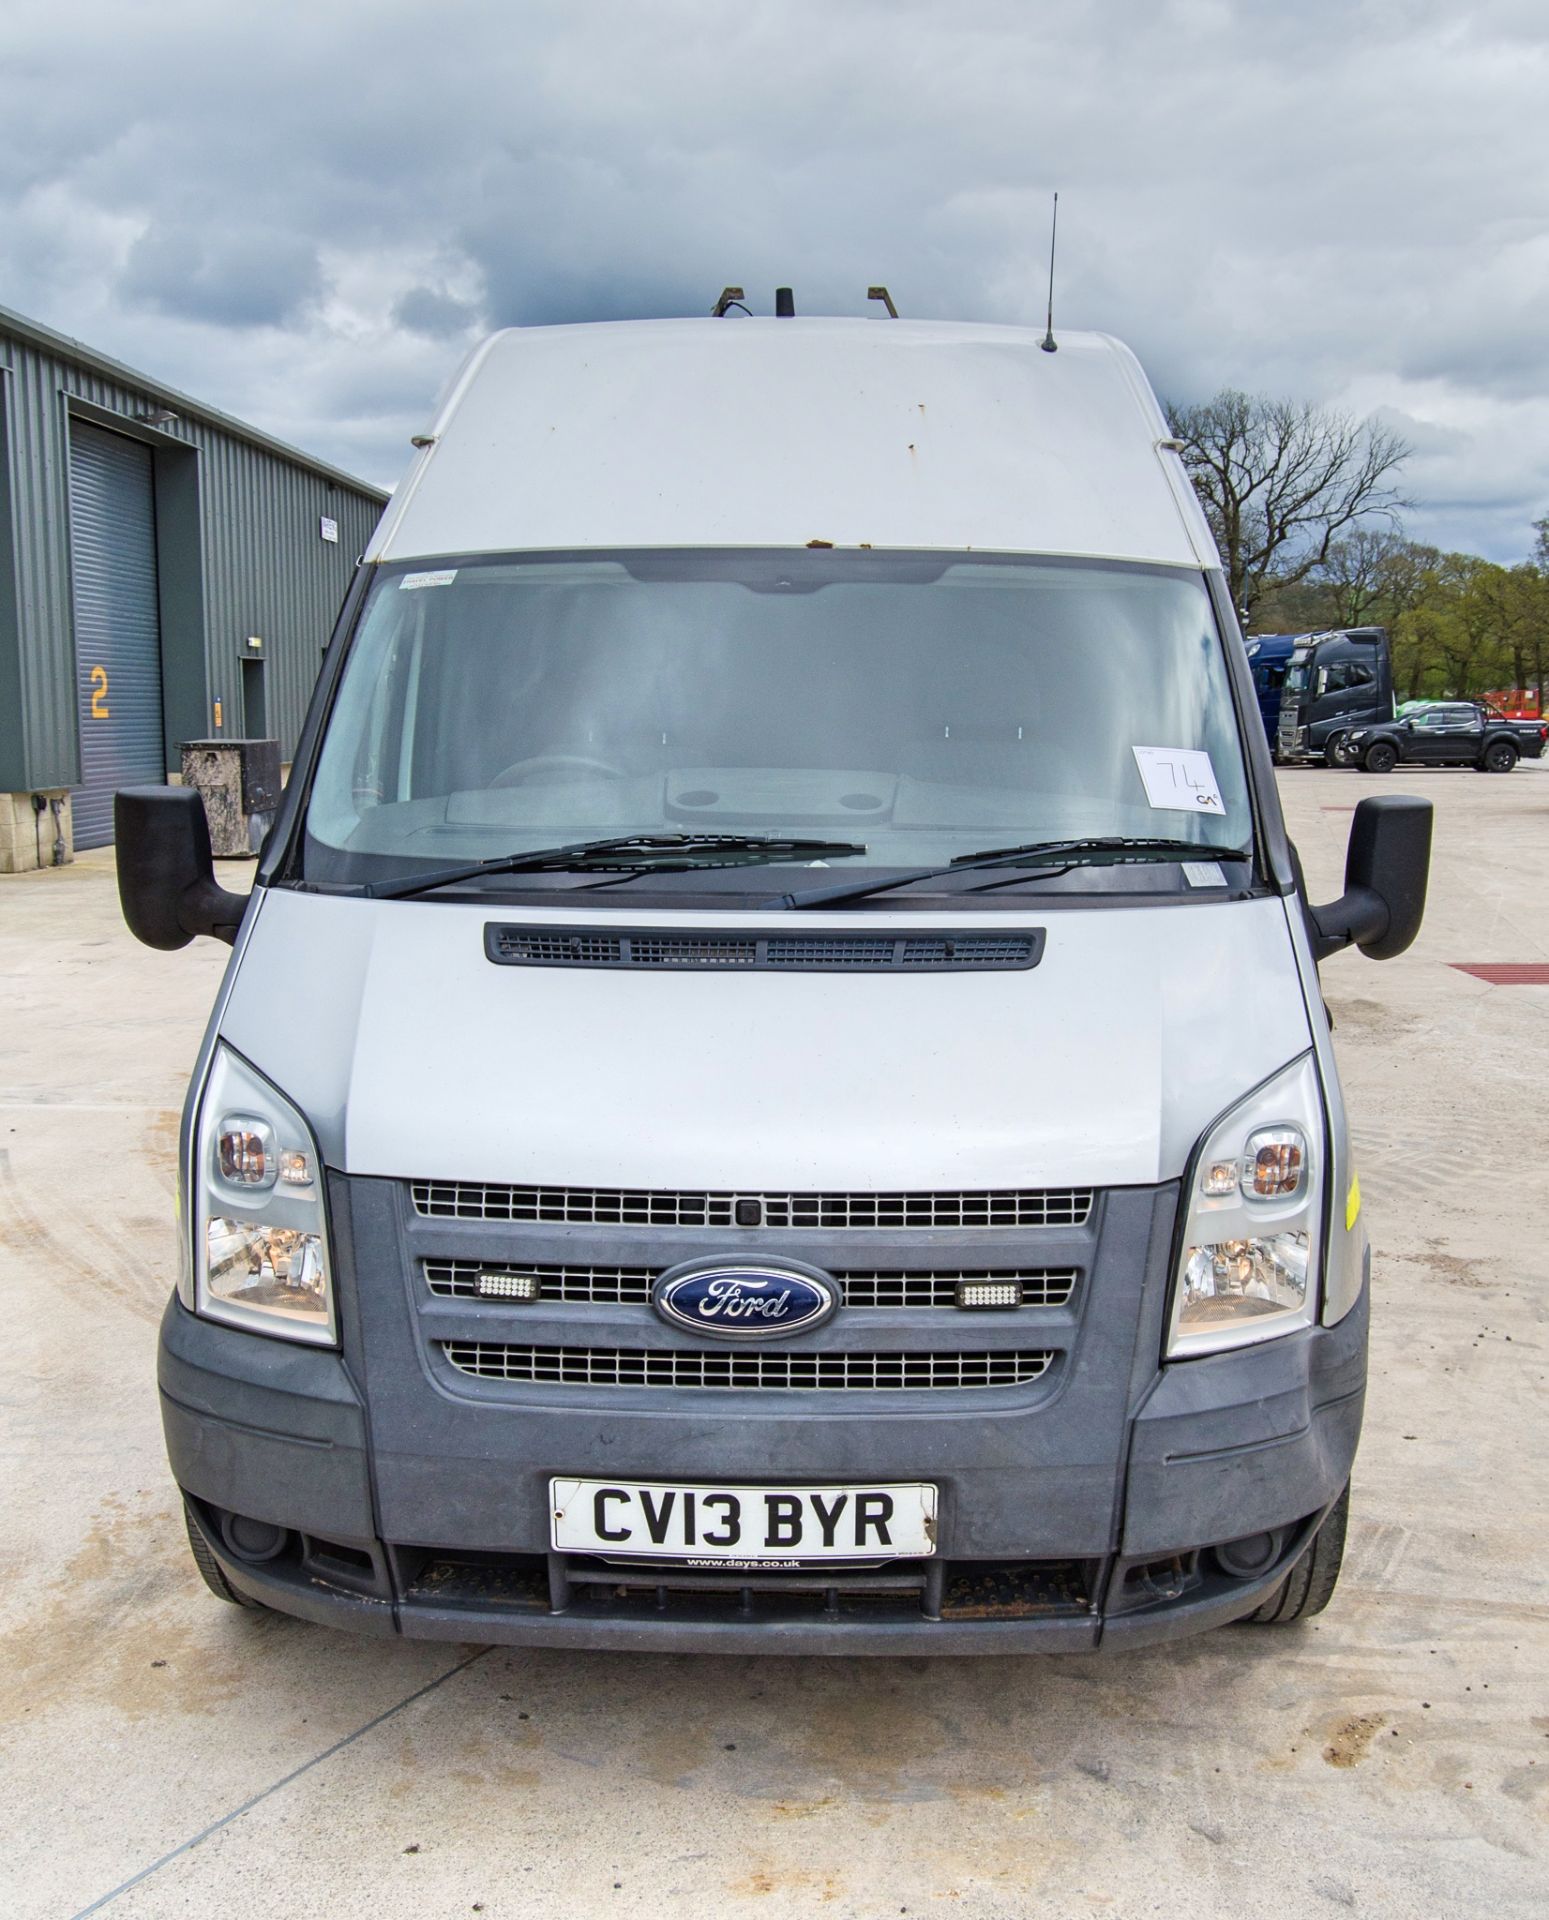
x: 99, y: 694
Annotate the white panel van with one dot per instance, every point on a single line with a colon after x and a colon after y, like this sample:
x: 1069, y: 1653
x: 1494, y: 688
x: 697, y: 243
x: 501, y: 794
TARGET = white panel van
x: 772, y: 1092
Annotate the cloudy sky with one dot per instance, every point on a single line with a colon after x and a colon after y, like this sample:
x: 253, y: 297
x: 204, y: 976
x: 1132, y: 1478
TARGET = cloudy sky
x: 305, y: 214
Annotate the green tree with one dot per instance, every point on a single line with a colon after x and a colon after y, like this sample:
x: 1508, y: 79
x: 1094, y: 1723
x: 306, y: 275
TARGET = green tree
x: 1519, y: 598
x: 1373, y: 579
x: 1453, y: 639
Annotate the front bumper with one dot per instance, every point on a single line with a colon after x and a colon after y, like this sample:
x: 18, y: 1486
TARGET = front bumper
x: 1034, y: 1557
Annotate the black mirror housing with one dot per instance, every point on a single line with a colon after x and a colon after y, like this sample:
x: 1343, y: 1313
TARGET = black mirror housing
x: 166, y: 873
x: 1386, y: 872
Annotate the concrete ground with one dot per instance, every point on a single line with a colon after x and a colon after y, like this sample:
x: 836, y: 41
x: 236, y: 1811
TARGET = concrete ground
x: 162, y: 1754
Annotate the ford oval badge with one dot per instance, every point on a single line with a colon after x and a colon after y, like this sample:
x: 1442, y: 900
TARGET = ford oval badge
x: 745, y: 1300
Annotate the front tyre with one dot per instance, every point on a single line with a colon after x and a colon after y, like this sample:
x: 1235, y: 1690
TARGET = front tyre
x: 1334, y: 751
x: 1309, y: 1586
x: 1380, y: 757
x: 1499, y: 757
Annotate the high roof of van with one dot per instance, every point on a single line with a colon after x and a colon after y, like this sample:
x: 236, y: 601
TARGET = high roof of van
x: 788, y: 432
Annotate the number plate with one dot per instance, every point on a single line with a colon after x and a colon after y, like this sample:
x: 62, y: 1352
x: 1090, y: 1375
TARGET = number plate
x: 742, y: 1526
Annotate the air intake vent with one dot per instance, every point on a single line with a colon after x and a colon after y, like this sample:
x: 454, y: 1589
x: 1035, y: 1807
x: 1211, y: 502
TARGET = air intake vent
x: 837, y: 1212
x: 859, y: 952
x: 631, y: 1286
x: 759, y: 1372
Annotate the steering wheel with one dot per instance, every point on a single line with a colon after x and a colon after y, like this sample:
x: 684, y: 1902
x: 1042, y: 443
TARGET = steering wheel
x: 521, y: 771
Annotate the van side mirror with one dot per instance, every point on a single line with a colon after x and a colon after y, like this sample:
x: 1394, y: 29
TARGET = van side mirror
x: 166, y: 873
x: 1386, y: 871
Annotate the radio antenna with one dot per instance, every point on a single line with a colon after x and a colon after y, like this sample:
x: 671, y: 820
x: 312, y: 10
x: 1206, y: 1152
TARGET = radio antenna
x: 1048, y: 342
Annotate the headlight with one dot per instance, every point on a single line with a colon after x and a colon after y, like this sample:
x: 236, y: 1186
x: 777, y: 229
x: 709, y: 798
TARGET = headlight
x: 1253, y: 1223
x: 260, y: 1239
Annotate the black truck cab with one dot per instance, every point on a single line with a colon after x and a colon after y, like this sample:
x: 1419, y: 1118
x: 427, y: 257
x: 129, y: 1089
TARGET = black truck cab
x: 1336, y: 683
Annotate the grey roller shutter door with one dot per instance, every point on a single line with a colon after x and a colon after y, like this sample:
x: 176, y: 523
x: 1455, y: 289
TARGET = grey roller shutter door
x: 117, y: 625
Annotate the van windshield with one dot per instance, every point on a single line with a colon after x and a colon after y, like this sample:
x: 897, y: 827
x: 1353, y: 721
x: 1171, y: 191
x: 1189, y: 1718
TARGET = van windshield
x: 920, y: 706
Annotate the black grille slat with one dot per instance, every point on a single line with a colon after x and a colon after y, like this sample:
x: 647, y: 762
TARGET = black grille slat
x: 657, y: 949
x: 613, y: 1286
x: 729, y: 1370
x: 631, y: 1286
x: 1044, y: 1287
x: 607, y: 1206
x: 535, y: 948
x: 833, y: 951
x: 667, y: 951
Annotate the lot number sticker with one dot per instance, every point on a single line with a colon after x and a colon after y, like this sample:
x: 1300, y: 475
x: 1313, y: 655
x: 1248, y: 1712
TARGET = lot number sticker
x: 1179, y: 779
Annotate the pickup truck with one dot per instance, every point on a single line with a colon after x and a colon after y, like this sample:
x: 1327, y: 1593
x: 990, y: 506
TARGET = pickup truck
x: 1445, y: 733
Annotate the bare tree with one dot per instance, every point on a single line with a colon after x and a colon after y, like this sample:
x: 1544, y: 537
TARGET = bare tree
x: 1407, y: 573
x: 1281, y: 480
x: 1358, y: 574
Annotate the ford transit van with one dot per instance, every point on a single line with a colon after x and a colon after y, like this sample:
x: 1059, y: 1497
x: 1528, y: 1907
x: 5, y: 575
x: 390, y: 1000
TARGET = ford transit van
x: 772, y: 1093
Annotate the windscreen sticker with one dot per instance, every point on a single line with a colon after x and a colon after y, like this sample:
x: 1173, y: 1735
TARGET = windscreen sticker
x: 442, y: 579
x: 1179, y: 779
x: 1203, y: 873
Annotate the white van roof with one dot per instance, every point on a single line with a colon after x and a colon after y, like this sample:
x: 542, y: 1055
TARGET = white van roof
x: 785, y: 432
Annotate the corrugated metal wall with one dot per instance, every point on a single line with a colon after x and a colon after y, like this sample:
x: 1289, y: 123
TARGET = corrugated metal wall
x: 268, y: 572
x: 265, y: 568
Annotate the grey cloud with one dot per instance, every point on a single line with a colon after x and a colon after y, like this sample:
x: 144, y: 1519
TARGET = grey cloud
x: 230, y: 278
x: 1343, y: 197
x: 437, y: 315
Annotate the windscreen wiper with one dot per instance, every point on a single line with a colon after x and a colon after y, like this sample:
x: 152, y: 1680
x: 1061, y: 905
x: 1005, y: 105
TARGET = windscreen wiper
x: 1032, y: 854
x: 689, y: 849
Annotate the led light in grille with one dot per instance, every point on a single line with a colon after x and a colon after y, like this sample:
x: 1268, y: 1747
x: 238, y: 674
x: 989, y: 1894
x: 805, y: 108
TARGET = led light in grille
x: 989, y: 1293
x: 1217, y: 1178
x: 1274, y: 1162
x: 509, y: 1286
x: 244, y: 1151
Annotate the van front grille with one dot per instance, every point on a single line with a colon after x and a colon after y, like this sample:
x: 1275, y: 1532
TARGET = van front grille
x: 631, y: 1286
x: 739, y: 1371
x: 836, y: 1212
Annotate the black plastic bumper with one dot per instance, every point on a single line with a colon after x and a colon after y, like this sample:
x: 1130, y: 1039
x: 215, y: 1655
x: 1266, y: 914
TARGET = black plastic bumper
x: 1219, y: 1449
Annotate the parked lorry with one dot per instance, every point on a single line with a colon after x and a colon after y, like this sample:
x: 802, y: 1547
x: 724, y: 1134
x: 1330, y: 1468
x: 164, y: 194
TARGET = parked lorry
x: 772, y: 1092
x: 1269, y: 660
x: 1334, y: 683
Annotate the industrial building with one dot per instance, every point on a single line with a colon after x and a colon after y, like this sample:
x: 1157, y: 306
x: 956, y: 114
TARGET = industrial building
x: 167, y: 573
